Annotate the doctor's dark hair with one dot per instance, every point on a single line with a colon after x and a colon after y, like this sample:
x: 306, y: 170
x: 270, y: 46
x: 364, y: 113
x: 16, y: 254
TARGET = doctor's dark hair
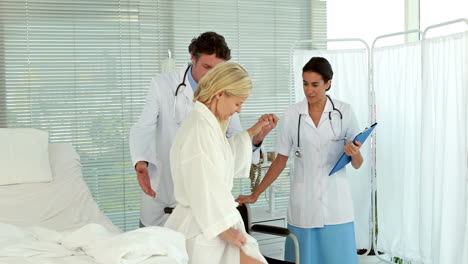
x: 227, y: 77
x: 321, y: 66
x: 210, y: 43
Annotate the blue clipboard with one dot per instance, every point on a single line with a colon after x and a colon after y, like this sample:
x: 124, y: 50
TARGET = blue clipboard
x: 345, y: 159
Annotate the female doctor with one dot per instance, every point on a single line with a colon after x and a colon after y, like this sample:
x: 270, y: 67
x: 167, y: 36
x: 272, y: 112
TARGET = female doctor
x: 317, y: 131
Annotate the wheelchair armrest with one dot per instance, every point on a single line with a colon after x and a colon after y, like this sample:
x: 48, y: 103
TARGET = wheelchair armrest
x: 278, y: 231
x: 271, y: 230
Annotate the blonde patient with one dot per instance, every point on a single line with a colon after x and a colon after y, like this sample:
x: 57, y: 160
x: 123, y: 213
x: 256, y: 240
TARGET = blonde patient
x: 204, y: 163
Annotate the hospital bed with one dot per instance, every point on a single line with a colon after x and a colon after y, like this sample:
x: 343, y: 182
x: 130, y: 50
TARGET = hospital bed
x: 57, y: 221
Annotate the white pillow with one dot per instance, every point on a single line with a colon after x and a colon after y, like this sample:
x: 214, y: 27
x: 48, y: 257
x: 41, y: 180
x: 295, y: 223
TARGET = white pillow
x: 24, y: 156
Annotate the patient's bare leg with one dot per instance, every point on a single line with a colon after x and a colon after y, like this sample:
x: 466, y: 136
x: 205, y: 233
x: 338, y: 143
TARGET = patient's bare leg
x: 244, y: 259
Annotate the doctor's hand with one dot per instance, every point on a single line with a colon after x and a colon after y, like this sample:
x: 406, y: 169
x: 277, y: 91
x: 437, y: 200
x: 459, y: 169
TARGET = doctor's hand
x: 267, y: 123
x: 250, y: 199
x: 233, y: 236
x: 352, y: 148
x: 141, y: 169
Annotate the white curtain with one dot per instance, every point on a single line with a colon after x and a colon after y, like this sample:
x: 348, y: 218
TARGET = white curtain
x: 422, y: 149
x: 465, y: 248
x: 397, y: 85
x: 443, y: 149
x: 350, y: 84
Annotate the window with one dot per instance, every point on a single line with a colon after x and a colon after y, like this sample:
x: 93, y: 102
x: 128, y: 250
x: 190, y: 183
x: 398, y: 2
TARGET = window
x: 436, y: 12
x: 81, y: 69
x: 260, y: 34
x: 365, y: 19
x: 78, y: 69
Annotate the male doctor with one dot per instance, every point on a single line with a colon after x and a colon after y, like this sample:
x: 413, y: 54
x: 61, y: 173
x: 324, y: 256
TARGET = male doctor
x: 168, y: 102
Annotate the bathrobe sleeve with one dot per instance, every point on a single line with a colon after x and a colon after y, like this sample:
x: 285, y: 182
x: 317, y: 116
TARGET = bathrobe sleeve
x: 234, y: 128
x: 241, y: 146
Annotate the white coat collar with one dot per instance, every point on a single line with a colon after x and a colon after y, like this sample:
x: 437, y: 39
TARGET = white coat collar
x: 303, y: 107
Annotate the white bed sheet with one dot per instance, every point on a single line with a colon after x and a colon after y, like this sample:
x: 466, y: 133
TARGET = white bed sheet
x: 93, y: 240
x: 75, y: 260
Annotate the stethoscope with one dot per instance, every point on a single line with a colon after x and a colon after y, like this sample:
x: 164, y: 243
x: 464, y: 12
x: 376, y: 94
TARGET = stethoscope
x: 298, y: 151
x: 181, y: 85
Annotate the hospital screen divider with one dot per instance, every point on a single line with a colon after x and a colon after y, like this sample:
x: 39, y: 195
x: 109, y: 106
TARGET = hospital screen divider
x: 422, y: 169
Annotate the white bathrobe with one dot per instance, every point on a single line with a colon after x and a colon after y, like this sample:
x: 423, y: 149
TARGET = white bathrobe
x: 203, y: 165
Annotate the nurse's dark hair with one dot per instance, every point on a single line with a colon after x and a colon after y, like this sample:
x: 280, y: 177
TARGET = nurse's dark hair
x: 210, y: 43
x: 321, y: 66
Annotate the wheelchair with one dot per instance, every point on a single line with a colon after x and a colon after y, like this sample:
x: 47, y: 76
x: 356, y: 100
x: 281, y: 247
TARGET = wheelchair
x: 244, y: 211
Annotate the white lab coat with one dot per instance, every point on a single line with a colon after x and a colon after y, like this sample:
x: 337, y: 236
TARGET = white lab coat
x: 317, y: 199
x: 203, y: 164
x: 151, y: 139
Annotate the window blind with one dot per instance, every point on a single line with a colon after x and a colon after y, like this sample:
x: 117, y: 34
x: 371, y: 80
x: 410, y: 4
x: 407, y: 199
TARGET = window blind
x: 81, y: 69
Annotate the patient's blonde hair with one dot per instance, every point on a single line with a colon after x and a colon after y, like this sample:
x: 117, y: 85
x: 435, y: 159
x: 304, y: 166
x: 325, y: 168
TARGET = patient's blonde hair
x: 227, y: 77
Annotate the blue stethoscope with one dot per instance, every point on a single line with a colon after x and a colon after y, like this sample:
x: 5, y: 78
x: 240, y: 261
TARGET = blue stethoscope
x: 298, y: 151
x: 181, y: 85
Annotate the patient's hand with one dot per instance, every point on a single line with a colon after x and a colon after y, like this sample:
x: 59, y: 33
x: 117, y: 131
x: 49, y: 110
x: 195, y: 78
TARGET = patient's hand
x: 234, y: 237
x: 141, y: 169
